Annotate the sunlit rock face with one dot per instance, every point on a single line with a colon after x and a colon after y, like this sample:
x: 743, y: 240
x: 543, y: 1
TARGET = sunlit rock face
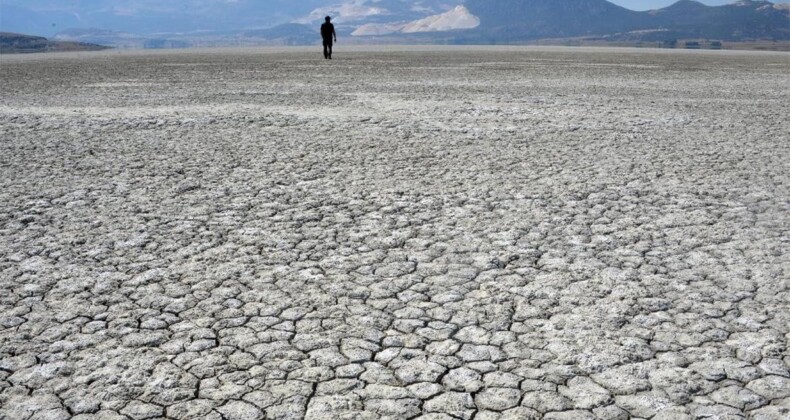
x: 454, y: 19
x: 457, y: 18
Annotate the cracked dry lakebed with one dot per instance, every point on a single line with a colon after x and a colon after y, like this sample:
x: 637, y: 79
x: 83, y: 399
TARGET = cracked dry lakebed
x: 423, y: 232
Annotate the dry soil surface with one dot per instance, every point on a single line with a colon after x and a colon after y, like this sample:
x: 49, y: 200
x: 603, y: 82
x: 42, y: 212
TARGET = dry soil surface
x: 488, y: 233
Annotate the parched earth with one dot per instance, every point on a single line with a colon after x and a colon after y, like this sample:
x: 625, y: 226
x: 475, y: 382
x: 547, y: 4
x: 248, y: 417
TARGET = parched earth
x: 487, y: 233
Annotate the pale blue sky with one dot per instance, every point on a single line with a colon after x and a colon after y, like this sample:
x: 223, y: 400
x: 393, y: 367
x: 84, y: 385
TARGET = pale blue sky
x: 655, y: 4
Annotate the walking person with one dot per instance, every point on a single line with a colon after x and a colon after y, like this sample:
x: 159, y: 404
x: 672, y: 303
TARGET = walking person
x: 328, y: 33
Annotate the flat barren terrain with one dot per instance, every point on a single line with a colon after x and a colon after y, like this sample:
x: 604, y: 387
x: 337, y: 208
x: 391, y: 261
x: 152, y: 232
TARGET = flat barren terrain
x: 487, y: 233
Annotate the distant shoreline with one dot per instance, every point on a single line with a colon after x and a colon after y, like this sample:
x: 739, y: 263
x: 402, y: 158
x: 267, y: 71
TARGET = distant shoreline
x: 67, y: 46
x: 353, y: 52
x: 13, y: 43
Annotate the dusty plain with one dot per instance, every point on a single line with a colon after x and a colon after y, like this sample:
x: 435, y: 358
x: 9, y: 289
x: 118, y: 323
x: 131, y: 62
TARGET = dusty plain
x: 435, y: 233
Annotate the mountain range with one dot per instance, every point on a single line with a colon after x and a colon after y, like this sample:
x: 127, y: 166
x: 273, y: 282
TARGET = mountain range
x: 152, y: 23
x: 517, y: 20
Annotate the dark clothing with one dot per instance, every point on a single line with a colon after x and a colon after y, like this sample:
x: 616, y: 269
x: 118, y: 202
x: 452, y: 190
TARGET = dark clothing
x: 327, y: 48
x: 328, y: 33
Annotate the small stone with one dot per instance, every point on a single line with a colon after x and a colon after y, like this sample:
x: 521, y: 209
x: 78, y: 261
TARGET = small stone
x: 644, y: 406
x: 328, y: 357
x: 419, y: 371
x: 240, y: 410
x: 443, y: 348
x: 402, y: 408
x: 332, y: 405
x: 261, y: 399
x: 83, y: 405
x: 585, y: 393
x: 349, y: 371
x: 545, y: 402
x: 52, y: 414
x: 625, y: 380
x: 147, y: 339
x: 770, y: 413
x: 537, y: 385
x: 673, y: 413
x: 737, y: 397
x: 313, y: 374
x: 475, y: 353
x: 771, y: 387
x: 435, y: 416
x: 774, y: 367
x: 717, y: 411
x: 375, y: 373
x: 501, y: 380
x: 200, y: 345
x: 338, y: 386
x: 610, y: 412
x: 570, y: 415
x: 462, y: 379
x: 108, y: 415
x: 487, y: 415
x: 139, y: 410
x: 425, y: 390
x: 152, y: 324
x: 193, y: 409
x: 521, y: 413
x: 497, y: 399
x: 473, y: 334
x: 482, y: 367
x: 385, y: 392
x: 456, y: 404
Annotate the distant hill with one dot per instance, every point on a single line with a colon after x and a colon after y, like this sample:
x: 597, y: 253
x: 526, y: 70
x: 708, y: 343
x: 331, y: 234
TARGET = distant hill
x: 742, y: 20
x: 529, y: 19
x: 287, y: 34
x: 11, y: 43
x: 122, y: 39
x: 520, y: 20
x: 101, y: 37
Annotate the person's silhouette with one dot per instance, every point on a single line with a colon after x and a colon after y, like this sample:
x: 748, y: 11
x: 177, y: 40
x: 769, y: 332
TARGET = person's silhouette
x: 328, y: 33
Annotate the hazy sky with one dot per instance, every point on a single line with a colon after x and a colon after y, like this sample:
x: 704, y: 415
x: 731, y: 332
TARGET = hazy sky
x: 654, y: 4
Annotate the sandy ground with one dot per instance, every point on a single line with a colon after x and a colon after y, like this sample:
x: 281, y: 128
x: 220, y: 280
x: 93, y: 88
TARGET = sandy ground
x: 488, y: 233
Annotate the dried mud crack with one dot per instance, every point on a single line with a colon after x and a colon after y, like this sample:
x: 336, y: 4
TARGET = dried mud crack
x: 479, y: 233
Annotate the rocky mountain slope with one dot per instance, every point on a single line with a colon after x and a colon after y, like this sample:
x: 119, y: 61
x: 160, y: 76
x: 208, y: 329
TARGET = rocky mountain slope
x: 515, y: 20
x: 740, y: 20
x: 537, y: 18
